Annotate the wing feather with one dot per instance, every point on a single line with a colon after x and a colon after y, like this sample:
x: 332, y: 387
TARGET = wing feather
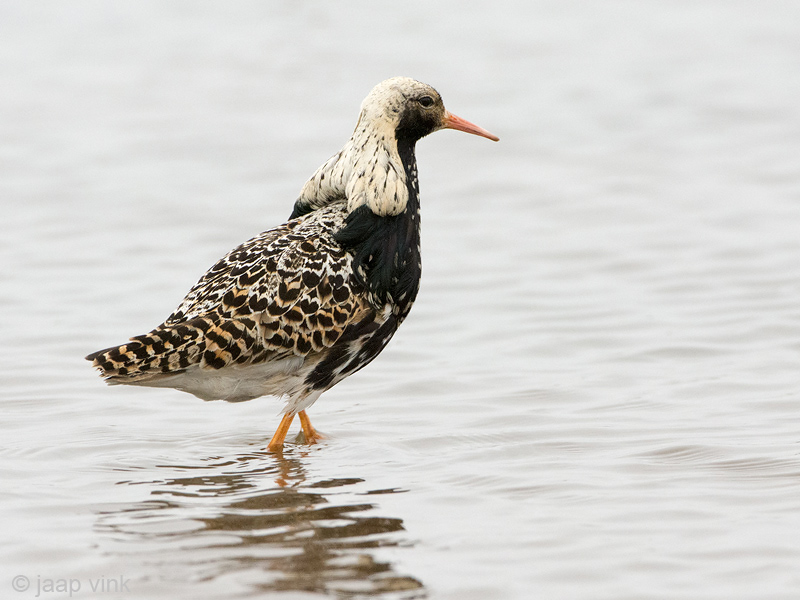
x: 288, y: 292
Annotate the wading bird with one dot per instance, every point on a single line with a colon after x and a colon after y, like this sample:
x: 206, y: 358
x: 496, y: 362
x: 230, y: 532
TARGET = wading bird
x: 300, y: 307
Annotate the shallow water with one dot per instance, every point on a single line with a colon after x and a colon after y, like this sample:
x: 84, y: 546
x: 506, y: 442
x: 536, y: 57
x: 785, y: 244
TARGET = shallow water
x: 596, y: 394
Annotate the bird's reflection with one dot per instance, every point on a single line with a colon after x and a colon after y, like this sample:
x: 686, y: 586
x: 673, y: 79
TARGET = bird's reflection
x: 262, y: 513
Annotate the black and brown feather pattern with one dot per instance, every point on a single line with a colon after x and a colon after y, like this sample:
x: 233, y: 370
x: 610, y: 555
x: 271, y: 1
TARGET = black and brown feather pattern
x: 300, y: 307
x: 287, y: 293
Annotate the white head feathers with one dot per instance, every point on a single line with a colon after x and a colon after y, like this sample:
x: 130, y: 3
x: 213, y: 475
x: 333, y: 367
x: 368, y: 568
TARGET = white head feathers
x: 368, y: 170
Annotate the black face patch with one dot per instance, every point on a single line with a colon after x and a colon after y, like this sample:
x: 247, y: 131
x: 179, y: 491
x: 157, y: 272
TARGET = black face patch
x: 416, y: 122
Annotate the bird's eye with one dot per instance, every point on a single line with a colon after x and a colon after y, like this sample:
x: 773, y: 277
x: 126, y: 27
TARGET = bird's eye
x: 426, y: 101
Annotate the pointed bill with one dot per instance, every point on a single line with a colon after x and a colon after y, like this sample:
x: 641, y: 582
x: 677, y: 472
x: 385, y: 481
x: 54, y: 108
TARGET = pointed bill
x: 451, y: 121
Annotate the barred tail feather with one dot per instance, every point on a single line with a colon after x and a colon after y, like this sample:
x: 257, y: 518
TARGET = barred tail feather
x: 169, y: 350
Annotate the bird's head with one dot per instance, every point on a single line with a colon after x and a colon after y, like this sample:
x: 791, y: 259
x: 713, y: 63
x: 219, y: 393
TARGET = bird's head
x: 370, y: 170
x: 410, y: 110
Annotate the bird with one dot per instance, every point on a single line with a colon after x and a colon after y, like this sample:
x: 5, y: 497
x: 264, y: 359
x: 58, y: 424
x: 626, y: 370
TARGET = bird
x: 295, y: 310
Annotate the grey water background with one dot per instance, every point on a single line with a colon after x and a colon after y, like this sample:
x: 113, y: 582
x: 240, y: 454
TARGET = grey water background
x: 597, y: 393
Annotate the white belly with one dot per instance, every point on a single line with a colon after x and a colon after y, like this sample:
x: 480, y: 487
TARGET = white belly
x: 236, y: 383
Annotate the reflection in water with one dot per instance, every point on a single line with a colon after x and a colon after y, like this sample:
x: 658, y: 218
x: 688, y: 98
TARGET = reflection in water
x: 258, y: 514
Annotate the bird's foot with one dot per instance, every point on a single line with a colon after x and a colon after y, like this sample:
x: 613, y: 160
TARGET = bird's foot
x: 311, y: 435
x: 304, y: 438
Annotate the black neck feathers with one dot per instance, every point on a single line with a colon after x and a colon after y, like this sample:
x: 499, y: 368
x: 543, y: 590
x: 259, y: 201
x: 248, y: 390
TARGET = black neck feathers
x: 386, y: 249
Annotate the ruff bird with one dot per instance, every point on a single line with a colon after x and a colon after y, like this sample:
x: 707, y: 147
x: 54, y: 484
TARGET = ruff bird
x: 295, y: 310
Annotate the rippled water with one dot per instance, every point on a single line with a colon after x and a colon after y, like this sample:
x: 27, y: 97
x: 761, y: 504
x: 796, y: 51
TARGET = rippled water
x: 596, y: 395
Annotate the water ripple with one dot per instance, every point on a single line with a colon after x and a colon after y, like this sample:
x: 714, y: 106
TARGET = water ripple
x: 261, y: 514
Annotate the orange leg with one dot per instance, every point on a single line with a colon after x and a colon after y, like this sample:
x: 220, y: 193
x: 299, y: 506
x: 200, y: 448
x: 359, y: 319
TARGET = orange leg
x: 312, y: 435
x: 276, y: 443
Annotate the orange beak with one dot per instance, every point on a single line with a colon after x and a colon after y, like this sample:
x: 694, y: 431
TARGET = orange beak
x: 453, y: 122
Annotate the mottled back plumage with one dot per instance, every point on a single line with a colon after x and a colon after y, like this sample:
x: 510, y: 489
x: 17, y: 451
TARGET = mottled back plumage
x: 296, y: 309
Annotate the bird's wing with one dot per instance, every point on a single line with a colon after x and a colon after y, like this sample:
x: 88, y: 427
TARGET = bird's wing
x: 287, y: 292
